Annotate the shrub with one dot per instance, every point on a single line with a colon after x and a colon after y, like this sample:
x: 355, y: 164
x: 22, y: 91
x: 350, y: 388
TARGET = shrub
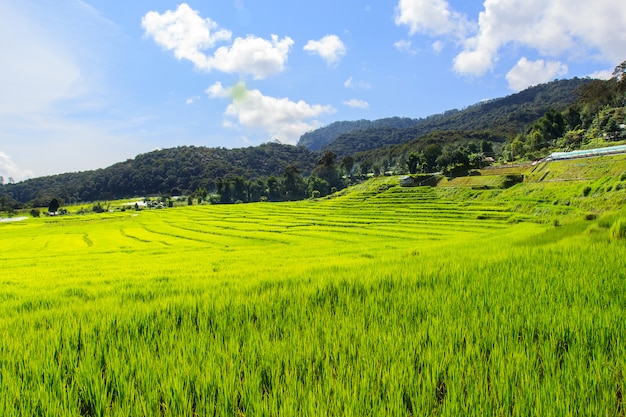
x: 510, y: 180
x: 618, y: 230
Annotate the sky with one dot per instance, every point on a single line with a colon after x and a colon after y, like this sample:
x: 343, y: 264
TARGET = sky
x: 88, y: 83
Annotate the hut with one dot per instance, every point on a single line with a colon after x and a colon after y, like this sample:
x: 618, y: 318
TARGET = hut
x: 407, y: 181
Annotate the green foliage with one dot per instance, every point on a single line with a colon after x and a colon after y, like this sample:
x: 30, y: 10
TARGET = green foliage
x: 510, y: 180
x: 184, y: 168
x: 502, y: 118
x: 318, y: 138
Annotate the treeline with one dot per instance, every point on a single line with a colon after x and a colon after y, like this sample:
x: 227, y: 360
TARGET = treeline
x: 326, y: 178
x: 599, y: 113
x: 185, y: 171
x: 180, y: 170
x: 435, y: 152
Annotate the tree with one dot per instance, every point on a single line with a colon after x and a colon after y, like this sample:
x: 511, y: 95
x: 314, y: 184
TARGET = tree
x: 273, y: 189
x: 327, y: 169
x: 54, y: 205
x: 413, y: 162
x: 619, y: 73
x: 476, y: 159
x: 431, y: 153
x: 239, y: 189
x: 293, y: 183
x: 317, y: 184
x: 347, y: 164
x: 486, y: 147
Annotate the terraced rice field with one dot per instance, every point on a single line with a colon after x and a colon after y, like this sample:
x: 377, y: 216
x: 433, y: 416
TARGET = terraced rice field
x: 379, y: 302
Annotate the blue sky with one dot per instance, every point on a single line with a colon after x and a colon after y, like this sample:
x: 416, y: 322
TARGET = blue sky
x: 87, y: 83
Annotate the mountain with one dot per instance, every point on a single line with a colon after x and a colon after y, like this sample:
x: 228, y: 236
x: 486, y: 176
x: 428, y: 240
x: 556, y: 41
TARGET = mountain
x: 175, y: 170
x: 505, y: 117
x: 317, y: 139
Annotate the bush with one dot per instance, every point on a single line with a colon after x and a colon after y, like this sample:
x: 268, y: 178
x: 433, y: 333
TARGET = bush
x: 618, y: 230
x: 510, y: 180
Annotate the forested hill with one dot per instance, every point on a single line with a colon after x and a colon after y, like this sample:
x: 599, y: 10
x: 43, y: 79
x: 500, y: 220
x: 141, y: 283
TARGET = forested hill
x: 318, y: 138
x: 505, y: 117
x: 177, y: 170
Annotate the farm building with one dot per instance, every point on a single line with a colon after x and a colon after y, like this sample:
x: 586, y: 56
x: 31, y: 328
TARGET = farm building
x: 407, y: 181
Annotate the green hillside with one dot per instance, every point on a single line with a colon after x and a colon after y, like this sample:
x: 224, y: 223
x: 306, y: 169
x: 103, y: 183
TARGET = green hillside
x: 502, y: 117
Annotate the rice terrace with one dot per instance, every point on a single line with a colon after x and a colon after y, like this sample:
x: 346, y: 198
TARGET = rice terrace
x: 459, y: 299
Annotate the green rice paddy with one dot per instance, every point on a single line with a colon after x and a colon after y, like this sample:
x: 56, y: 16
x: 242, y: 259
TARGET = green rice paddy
x: 383, y: 301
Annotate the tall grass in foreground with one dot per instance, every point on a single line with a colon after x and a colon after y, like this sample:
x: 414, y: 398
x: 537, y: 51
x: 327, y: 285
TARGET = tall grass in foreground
x: 305, y: 309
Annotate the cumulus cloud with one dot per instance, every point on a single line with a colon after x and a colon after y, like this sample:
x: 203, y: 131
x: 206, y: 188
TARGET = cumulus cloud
x: 330, y: 48
x: 281, y: 118
x: 258, y: 57
x: 356, y: 103
x: 184, y: 32
x: 528, y: 73
x: 430, y: 16
x: 9, y: 169
x: 190, y: 36
x: 549, y: 29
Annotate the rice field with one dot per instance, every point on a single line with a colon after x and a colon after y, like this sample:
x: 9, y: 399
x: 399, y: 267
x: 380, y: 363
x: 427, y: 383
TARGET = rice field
x: 384, y: 301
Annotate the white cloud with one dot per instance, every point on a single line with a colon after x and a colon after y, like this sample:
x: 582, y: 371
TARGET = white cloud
x: 280, y: 118
x: 430, y: 16
x: 602, y: 75
x: 190, y: 36
x: 356, y: 103
x: 405, y: 46
x: 349, y: 83
x: 258, y: 57
x: 184, y: 32
x: 9, y: 169
x: 438, y: 46
x: 330, y: 48
x: 528, y: 73
x: 549, y: 29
